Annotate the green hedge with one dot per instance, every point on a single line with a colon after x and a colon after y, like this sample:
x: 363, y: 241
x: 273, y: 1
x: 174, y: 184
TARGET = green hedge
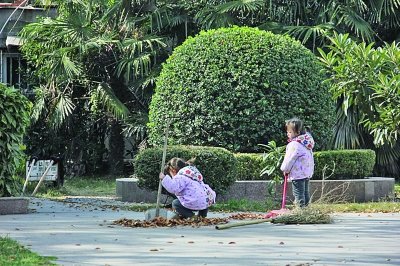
x: 14, y: 118
x: 349, y: 164
x: 217, y: 165
x: 249, y: 166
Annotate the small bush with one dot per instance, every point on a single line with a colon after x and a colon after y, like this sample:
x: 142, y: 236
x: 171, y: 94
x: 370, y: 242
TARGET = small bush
x: 347, y: 164
x: 14, y: 118
x: 217, y: 165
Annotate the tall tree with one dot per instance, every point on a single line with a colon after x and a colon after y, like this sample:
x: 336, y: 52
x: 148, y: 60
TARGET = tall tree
x: 95, y: 55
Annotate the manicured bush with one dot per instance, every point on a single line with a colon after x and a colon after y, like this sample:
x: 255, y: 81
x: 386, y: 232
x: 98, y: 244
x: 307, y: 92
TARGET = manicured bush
x: 14, y: 118
x: 235, y: 87
x: 217, y: 165
x: 345, y: 164
x: 249, y: 166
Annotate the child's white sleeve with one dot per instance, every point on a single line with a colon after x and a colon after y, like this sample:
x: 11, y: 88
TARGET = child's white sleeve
x: 291, y: 155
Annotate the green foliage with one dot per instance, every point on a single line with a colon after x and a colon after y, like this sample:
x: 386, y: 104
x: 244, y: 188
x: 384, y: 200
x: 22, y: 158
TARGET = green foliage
x: 346, y: 164
x: 216, y: 164
x: 248, y: 166
x: 365, y: 82
x: 272, y: 160
x: 250, y: 82
x: 14, y: 118
x: 12, y: 253
x: 367, y: 79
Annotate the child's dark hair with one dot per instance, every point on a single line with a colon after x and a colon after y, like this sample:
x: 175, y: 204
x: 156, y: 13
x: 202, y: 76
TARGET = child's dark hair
x: 296, y: 125
x: 177, y: 164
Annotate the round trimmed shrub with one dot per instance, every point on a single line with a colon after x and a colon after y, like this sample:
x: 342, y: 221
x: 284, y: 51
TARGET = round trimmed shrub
x: 235, y: 87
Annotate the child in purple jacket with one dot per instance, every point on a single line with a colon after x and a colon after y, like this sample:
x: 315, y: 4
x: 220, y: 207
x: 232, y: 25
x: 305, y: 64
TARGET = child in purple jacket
x: 186, y: 182
x: 299, y: 160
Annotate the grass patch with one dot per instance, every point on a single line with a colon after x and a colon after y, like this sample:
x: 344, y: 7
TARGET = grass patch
x: 96, y: 186
x: 367, y: 207
x: 245, y: 205
x: 90, y: 186
x: 12, y: 253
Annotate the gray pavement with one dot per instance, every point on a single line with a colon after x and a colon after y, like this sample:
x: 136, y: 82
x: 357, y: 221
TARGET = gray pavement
x: 83, y: 234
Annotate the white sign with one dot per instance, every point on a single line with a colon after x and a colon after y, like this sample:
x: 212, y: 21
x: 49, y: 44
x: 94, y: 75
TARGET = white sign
x: 39, y: 168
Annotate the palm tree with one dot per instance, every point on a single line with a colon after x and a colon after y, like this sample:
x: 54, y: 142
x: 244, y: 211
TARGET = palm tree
x: 309, y: 21
x: 97, y: 56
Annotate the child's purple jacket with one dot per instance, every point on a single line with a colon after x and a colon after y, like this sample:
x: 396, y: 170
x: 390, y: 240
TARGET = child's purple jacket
x: 299, y: 159
x: 189, y: 188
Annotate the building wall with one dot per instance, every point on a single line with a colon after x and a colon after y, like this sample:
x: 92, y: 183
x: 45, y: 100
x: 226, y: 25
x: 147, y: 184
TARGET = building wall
x: 12, y: 20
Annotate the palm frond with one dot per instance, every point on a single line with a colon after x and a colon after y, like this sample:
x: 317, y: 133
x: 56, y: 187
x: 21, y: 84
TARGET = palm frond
x: 103, y: 95
x: 357, y: 24
x: 318, y: 33
x: 210, y: 18
x: 245, y: 6
x: 62, y: 108
x: 136, y: 126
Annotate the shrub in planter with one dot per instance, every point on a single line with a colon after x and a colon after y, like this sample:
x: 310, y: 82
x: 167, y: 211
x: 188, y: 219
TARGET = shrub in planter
x: 346, y: 164
x: 14, y: 118
x: 249, y: 166
x: 235, y: 87
x: 217, y: 165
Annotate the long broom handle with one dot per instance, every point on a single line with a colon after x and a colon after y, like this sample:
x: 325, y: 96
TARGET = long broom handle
x: 230, y: 225
x: 284, y: 191
x: 27, y: 176
x: 42, y: 178
x: 162, y: 169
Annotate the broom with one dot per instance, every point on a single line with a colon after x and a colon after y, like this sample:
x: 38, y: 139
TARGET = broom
x: 283, y: 210
x: 267, y: 218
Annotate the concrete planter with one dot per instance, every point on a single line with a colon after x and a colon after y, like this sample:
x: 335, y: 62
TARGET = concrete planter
x: 347, y: 190
x: 14, y: 205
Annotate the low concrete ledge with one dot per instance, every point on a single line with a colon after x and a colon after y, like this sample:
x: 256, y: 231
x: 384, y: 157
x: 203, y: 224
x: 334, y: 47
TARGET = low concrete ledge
x: 347, y: 190
x: 127, y: 190
x: 14, y: 205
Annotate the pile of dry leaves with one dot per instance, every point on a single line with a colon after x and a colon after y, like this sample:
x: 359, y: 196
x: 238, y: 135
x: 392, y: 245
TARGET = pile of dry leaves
x: 195, y: 222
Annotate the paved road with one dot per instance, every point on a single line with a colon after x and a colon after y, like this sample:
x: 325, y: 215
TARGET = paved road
x: 84, y: 235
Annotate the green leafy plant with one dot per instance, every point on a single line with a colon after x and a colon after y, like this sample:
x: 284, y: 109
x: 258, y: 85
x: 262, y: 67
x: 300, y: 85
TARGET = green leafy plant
x: 365, y: 82
x: 14, y: 118
x: 273, y: 159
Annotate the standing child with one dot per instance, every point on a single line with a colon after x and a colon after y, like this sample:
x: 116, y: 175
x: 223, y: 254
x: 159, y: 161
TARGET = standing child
x: 298, y: 163
x: 186, y: 182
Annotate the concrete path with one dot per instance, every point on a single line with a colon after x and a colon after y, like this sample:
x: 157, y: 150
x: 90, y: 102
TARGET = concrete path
x: 84, y: 235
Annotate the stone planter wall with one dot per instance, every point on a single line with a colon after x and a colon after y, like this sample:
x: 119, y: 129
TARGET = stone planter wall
x: 350, y: 190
